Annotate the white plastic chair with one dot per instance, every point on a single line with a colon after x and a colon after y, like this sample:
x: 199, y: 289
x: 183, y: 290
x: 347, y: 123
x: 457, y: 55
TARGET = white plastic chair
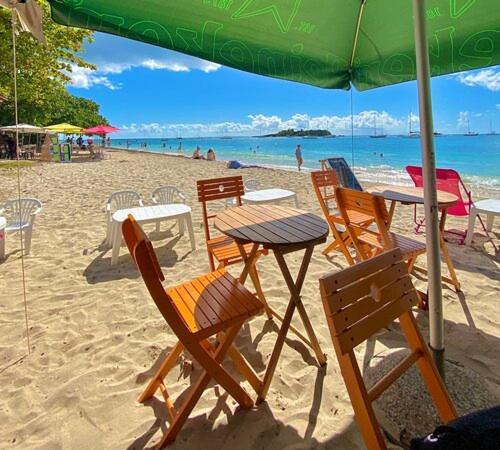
x: 20, y: 215
x: 167, y: 195
x: 252, y: 185
x: 119, y: 200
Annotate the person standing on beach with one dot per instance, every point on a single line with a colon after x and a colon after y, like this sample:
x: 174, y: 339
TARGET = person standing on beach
x: 298, y: 156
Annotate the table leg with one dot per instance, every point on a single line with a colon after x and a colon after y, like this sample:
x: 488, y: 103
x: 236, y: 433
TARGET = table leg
x: 392, y: 208
x: 489, y: 222
x: 189, y: 225
x: 296, y: 201
x: 295, y: 302
x: 116, y: 237
x: 444, y: 250
x: 470, y: 227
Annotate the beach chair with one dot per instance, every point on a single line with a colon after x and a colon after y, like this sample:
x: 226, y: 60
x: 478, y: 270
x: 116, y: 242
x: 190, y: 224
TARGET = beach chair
x: 376, y: 238
x: 223, y: 249
x: 119, y: 200
x: 447, y: 180
x: 20, y: 215
x: 359, y: 302
x: 214, y: 304
x: 167, y: 195
x: 324, y: 183
x: 344, y: 173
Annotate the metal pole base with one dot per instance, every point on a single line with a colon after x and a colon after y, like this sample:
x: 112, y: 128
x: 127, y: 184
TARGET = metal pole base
x: 438, y: 357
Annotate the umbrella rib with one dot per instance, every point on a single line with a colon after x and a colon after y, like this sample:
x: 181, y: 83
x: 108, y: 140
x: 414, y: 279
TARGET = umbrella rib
x: 358, y: 24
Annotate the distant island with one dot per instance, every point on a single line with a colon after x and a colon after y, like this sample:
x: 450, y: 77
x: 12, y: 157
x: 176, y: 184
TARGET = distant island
x: 301, y: 133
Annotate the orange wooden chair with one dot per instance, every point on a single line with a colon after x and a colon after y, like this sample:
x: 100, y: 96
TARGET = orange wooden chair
x: 358, y: 302
x: 223, y: 249
x: 376, y: 238
x: 324, y: 183
x: 212, y: 304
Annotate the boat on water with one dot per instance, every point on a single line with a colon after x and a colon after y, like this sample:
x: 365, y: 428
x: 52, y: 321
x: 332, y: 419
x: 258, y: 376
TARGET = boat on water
x: 491, y: 132
x: 469, y: 132
x: 375, y: 135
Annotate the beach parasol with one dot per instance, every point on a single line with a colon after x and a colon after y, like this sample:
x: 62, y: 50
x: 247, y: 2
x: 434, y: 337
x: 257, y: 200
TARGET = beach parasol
x: 65, y: 128
x: 24, y: 128
x: 100, y: 130
x: 326, y: 43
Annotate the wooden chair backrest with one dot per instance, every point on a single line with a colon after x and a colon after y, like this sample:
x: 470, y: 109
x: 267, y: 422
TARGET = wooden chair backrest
x: 362, y: 299
x: 133, y: 234
x: 358, y: 302
x: 218, y: 189
x: 324, y: 183
x: 373, y: 206
x: 146, y: 261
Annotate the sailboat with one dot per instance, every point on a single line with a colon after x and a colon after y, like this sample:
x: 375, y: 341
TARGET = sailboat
x: 469, y: 132
x: 491, y: 133
x: 225, y: 135
x: 411, y: 133
x: 375, y: 135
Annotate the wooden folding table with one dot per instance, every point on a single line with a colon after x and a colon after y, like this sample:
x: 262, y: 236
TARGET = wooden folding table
x: 415, y: 196
x: 283, y: 230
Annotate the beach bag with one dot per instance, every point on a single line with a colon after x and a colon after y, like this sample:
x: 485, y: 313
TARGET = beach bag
x: 475, y: 431
x: 233, y: 165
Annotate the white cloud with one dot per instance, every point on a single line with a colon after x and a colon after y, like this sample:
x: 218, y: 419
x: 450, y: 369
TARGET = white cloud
x: 113, y: 55
x: 84, y: 78
x: 487, y: 78
x: 262, y: 124
x: 463, y: 118
x: 498, y: 105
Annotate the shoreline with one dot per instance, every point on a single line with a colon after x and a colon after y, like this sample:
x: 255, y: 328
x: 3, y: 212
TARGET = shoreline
x: 382, y: 174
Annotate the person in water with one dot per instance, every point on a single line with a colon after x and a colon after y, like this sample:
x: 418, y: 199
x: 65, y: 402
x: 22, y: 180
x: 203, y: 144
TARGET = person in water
x: 210, y: 155
x: 298, y: 156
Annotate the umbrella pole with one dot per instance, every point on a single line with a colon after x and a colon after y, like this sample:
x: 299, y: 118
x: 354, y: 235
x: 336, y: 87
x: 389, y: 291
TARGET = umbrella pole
x: 436, y: 320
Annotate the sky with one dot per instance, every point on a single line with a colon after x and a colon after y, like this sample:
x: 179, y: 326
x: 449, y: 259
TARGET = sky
x: 148, y: 91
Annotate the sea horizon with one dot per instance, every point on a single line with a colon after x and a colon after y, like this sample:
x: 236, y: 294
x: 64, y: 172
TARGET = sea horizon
x: 374, y: 160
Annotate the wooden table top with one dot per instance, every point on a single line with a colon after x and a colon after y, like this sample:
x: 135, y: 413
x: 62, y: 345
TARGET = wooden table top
x: 271, y: 225
x: 412, y: 195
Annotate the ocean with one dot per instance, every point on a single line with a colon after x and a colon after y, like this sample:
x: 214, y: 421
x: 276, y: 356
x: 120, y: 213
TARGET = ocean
x: 476, y: 158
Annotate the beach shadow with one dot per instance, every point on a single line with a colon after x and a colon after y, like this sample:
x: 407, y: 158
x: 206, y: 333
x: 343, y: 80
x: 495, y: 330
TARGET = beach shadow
x: 100, y: 269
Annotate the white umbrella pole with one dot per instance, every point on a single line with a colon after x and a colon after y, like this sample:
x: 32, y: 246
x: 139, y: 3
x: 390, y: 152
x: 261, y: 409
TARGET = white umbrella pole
x: 436, y: 321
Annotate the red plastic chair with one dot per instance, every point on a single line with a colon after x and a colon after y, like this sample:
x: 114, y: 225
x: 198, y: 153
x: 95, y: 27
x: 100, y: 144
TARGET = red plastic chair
x: 447, y: 180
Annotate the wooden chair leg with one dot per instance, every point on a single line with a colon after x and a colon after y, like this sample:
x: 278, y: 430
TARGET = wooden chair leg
x: 365, y: 416
x: 254, y: 276
x: 212, y: 369
x: 244, y: 368
x: 430, y: 374
x: 165, y: 368
x: 449, y: 263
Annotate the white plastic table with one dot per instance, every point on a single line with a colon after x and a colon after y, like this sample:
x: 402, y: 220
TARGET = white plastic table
x: 490, y: 208
x: 269, y: 196
x: 151, y: 214
x: 3, y: 235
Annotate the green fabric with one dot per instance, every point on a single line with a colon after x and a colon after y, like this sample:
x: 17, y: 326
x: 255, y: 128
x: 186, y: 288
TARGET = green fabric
x: 309, y: 41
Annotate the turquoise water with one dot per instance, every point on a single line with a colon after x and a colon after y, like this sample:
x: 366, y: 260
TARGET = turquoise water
x: 382, y: 160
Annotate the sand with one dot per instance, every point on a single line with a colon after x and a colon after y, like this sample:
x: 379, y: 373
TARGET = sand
x: 96, y: 336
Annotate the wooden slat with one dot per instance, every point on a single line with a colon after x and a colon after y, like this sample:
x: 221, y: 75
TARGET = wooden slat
x: 208, y: 282
x: 227, y: 289
x: 346, y: 317
x: 238, y: 230
x: 383, y: 384
x: 186, y: 313
x: 332, y: 282
x: 198, y: 306
x: 277, y: 226
x: 207, y: 300
x: 368, y: 326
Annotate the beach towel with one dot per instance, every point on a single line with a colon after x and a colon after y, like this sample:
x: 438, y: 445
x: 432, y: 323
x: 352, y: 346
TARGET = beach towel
x: 344, y: 172
x: 238, y: 165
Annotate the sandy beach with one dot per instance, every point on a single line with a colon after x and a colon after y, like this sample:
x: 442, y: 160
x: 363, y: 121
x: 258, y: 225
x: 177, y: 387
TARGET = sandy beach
x: 97, y: 337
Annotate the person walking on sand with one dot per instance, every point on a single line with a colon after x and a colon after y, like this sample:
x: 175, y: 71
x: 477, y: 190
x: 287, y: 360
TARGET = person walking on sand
x: 298, y: 156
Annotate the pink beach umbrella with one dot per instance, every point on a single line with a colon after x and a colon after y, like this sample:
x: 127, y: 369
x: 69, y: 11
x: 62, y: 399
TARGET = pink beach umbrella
x: 100, y: 130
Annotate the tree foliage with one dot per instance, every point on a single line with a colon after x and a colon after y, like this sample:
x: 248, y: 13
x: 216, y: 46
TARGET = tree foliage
x: 42, y: 75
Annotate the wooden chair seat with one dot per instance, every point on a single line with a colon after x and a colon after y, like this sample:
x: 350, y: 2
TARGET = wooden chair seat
x: 213, y: 302
x: 225, y: 250
x: 409, y: 247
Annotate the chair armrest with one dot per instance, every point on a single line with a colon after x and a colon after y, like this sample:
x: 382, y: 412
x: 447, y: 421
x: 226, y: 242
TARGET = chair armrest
x: 181, y: 196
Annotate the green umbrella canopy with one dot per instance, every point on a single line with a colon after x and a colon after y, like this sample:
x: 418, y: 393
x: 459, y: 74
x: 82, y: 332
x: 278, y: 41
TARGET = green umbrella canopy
x: 316, y: 42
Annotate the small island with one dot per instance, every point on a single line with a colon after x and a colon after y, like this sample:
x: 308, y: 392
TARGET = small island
x: 301, y: 133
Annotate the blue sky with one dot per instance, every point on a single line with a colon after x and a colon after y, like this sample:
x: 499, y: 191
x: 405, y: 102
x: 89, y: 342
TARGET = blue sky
x: 151, y: 92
